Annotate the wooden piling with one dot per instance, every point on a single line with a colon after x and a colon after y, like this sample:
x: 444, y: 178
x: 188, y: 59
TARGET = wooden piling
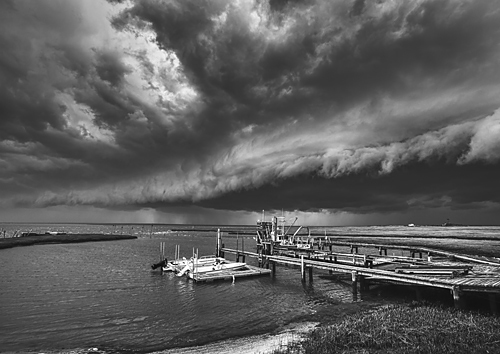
x: 237, y: 247
x: 458, y: 298
x: 364, y: 285
x: 310, y: 274
x: 302, y: 268
x: 218, y: 247
x: 354, y: 276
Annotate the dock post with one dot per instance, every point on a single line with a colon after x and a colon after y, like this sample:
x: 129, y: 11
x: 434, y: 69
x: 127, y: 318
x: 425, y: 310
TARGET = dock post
x: 302, y: 268
x: 310, y: 274
x: 458, y: 299
x: 364, y: 285
x: 273, y: 268
x: 354, y: 276
x: 331, y: 259
x: 237, y: 247
x: 219, y: 244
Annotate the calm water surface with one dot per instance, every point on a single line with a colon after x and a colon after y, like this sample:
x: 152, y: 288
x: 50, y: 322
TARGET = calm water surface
x: 105, y: 295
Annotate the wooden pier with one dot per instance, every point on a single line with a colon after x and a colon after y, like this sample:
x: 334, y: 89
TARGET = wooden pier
x: 461, y: 274
x: 458, y: 277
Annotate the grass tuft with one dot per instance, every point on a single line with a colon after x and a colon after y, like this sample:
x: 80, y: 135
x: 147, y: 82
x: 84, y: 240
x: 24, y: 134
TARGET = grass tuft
x: 395, y: 329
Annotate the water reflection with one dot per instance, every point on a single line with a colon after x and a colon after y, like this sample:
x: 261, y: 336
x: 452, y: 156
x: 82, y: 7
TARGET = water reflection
x: 105, y: 295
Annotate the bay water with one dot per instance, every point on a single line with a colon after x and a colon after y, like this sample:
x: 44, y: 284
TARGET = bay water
x: 104, y: 297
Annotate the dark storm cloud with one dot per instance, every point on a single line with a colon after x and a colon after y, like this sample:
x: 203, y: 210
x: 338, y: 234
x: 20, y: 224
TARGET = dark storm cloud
x: 314, y: 61
x: 415, y: 186
x: 68, y: 115
x: 302, y: 105
x: 321, y: 52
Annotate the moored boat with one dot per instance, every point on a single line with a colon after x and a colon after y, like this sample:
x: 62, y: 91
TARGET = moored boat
x: 209, y: 264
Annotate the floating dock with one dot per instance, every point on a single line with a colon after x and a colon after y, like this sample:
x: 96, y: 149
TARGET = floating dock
x: 216, y: 264
x: 249, y: 271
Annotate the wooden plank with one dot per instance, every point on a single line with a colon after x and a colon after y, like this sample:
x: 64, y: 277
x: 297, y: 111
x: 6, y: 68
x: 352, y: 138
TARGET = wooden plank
x: 228, y: 274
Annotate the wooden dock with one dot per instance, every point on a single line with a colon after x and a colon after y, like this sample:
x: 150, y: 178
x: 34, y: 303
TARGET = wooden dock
x: 414, y: 266
x: 460, y: 274
x: 219, y: 268
x: 250, y: 271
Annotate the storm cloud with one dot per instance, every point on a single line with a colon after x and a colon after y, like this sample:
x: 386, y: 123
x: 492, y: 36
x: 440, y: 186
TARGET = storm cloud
x: 367, y: 108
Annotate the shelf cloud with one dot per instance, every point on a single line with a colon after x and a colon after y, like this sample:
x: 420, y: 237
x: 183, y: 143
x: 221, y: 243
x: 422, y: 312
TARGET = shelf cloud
x: 377, y: 110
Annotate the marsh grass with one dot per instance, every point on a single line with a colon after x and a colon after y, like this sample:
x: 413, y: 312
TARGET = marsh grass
x: 70, y: 238
x: 404, y: 329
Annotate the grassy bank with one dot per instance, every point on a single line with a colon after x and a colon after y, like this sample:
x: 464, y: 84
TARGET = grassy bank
x: 70, y: 238
x: 404, y: 329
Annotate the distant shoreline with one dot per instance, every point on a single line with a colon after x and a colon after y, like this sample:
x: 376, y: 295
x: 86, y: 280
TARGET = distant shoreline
x: 67, y: 238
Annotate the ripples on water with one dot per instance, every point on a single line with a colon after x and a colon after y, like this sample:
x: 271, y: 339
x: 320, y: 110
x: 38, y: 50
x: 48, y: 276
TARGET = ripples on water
x: 104, y: 295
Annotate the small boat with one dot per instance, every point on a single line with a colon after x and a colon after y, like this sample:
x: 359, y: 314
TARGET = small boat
x: 219, y: 266
x: 203, y: 265
x: 178, y: 264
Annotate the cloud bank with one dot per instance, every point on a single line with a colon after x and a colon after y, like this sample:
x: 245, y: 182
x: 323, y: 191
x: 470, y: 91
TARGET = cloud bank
x: 345, y: 106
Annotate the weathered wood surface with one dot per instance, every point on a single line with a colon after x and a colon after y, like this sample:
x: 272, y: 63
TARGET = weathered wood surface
x: 251, y: 271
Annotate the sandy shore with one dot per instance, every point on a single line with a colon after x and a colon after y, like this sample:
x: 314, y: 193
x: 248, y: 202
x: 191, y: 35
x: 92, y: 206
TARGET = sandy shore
x: 257, y: 344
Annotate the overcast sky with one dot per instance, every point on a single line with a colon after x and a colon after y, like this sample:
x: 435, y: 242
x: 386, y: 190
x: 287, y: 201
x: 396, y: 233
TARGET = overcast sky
x: 338, y: 112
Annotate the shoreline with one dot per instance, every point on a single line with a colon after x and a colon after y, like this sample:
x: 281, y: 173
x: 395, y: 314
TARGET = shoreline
x: 409, y: 328
x: 67, y: 238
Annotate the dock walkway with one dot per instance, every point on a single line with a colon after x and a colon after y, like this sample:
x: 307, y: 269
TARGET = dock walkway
x: 440, y: 269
